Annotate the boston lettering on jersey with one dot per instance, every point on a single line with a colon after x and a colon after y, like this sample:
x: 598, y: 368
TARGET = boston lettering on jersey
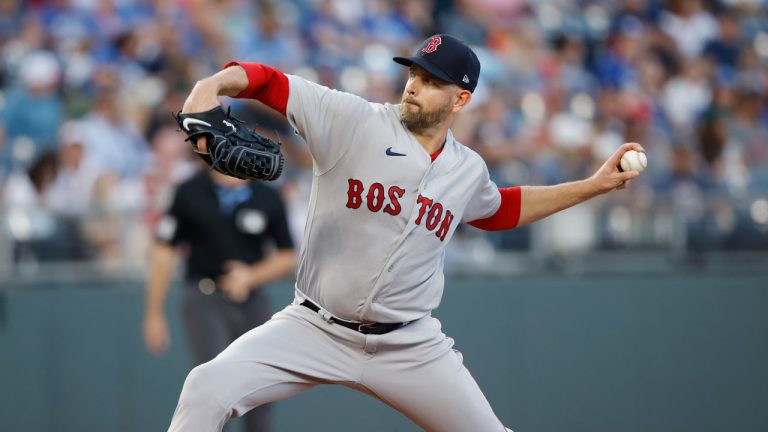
x: 431, y: 213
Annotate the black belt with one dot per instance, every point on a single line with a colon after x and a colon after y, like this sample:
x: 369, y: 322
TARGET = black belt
x: 364, y: 328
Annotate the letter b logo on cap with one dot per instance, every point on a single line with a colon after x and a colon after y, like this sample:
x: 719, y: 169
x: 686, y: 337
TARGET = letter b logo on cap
x: 432, y: 45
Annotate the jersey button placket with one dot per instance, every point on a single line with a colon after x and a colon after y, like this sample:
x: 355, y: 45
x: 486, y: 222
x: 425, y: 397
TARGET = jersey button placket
x: 409, y: 229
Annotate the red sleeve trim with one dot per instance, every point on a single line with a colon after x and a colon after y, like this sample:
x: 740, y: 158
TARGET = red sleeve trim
x: 508, y: 214
x: 265, y: 84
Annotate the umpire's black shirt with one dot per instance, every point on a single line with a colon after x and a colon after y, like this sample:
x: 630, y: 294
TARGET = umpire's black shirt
x: 220, y: 224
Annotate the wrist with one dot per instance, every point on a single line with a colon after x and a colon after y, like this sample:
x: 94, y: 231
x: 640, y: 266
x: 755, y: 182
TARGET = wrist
x: 208, y: 86
x: 203, y: 97
x: 589, y: 188
x: 155, y: 313
x: 254, y: 278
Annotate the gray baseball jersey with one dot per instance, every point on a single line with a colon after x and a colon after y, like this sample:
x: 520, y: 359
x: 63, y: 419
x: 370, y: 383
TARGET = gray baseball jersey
x: 380, y: 216
x: 381, y: 212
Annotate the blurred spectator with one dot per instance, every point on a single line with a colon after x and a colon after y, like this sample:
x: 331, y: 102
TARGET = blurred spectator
x: 111, y: 138
x: 386, y: 22
x: 276, y: 43
x: 725, y: 50
x: 173, y: 164
x: 615, y: 65
x: 466, y: 21
x: 685, y: 96
x: 746, y: 143
x: 127, y: 61
x: 690, y: 25
x: 10, y: 18
x: 27, y: 189
x: 72, y: 190
x: 37, y: 233
x: 562, y: 83
x: 31, y: 37
x: 68, y: 25
x: 567, y: 67
x: 494, y: 138
x: 32, y: 112
x: 330, y: 33
x: 570, y: 133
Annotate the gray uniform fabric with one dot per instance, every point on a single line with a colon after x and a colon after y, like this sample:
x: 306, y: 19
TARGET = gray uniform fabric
x: 380, y: 215
x: 413, y: 369
x: 364, y: 265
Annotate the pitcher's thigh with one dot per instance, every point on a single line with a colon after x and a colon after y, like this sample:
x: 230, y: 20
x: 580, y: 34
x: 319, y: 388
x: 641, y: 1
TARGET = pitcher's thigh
x: 294, y: 347
x: 439, y: 395
x: 269, y: 363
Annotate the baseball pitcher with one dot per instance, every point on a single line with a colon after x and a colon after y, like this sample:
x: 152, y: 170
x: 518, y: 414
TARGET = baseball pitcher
x: 390, y: 186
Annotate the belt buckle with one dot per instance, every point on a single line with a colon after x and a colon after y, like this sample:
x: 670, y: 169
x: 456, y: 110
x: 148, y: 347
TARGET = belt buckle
x: 363, y: 326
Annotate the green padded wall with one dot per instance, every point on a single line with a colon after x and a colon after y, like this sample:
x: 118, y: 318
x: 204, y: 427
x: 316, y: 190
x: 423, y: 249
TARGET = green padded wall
x: 553, y: 354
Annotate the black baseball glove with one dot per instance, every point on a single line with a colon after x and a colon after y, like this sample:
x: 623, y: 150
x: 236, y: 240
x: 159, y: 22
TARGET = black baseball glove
x: 233, y: 149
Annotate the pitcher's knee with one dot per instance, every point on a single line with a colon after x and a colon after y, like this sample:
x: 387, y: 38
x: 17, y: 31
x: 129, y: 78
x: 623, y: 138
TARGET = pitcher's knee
x: 201, y: 387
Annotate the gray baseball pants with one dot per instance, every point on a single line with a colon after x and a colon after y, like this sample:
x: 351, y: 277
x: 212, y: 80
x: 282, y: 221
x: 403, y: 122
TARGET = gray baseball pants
x: 413, y: 369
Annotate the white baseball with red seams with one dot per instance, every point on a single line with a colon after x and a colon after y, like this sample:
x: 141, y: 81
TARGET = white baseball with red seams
x: 633, y: 160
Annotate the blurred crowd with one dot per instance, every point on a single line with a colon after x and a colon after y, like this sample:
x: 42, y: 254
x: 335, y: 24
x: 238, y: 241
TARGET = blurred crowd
x: 89, y: 153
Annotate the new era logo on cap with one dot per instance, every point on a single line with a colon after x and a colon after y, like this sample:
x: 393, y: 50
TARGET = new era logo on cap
x: 447, y: 58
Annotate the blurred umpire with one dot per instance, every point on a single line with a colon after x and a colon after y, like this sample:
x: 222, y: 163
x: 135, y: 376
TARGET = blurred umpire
x: 226, y: 266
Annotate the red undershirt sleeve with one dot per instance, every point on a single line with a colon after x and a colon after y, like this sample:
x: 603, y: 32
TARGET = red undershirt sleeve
x: 508, y: 214
x: 265, y: 84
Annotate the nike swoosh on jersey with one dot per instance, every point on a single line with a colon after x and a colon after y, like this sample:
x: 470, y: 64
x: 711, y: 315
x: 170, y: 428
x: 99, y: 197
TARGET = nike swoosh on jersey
x: 394, y: 153
x: 188, y: 121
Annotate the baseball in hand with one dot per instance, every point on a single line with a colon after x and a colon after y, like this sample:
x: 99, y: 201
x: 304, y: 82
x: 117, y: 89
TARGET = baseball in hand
x: 633, y: 160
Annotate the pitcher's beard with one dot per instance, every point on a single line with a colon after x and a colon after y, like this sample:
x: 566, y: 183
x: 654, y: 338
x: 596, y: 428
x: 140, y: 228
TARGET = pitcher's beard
x: 420, y: 120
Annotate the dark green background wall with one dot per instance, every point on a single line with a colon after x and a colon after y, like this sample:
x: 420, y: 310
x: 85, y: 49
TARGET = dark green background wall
x: 553, y: 354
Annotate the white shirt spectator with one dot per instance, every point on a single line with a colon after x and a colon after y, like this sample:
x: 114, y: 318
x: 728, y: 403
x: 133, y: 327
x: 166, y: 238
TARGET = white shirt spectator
x: 118, y: 147
x: 685, y: 96
x: 691, y: 32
